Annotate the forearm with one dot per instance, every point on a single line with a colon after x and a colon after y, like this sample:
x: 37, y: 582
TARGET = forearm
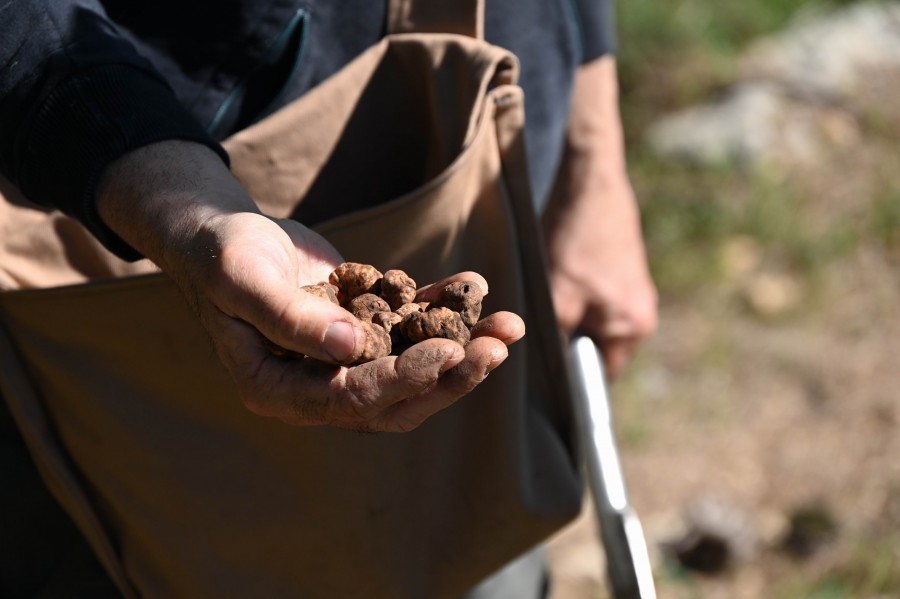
x: 598, y: 266
x: 158, y: 198
x: 74, y: 96
x: 593, y: 184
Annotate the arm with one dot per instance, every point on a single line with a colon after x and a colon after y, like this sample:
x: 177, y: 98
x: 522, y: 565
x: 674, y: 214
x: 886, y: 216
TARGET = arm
x: 74, y: 96
x: 87, y: 126
x: 598, y: 267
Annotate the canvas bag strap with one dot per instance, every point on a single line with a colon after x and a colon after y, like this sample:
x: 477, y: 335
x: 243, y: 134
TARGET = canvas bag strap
x: 463, y: 17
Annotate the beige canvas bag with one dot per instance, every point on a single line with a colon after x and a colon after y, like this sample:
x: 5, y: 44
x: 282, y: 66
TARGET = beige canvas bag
x: 140, y: 434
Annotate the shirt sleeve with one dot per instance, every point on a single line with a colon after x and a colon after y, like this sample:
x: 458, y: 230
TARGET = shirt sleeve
x: 597, y: 23
x: 74, y: 96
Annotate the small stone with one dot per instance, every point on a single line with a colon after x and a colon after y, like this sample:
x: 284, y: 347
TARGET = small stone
x: 378, y: 343
x: 398, y: 288
x: 386, y: 320
x: 463, y: 297
x: 325, y: 291
x: 772, y: 294
x: 367, y: 305
x: 811, y: 529
x: 717, y: 536
x: 407, y: 309
x: 353, y: 279
x: 439, y: 322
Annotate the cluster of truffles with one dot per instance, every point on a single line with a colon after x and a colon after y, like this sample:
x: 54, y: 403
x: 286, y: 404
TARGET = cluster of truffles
x: 385, y: 304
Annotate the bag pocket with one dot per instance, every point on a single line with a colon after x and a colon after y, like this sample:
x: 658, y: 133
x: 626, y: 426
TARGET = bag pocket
x: 387, y: 124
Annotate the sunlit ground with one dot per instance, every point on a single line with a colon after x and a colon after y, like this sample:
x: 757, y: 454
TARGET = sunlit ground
x: 773, y: 385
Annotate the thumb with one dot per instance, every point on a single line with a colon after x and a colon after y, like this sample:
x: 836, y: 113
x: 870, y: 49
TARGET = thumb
x: 309, y: 325
x: 256, y: 279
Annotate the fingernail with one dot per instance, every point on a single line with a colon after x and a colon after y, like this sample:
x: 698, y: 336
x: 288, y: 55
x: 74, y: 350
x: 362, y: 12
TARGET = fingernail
x: 452, y: 359
x: 340, y: 342
x: 498, y: 355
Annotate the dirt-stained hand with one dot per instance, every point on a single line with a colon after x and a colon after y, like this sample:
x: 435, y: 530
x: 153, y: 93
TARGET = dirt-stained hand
x: 176, y: 203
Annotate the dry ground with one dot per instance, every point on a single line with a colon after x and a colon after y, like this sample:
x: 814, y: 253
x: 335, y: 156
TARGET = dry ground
x: 774, y: 387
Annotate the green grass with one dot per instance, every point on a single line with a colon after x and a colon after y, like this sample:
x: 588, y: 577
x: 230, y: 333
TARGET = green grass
x: 690, y: 214
x: 677, y: 52
x: 883, y: 221
x: 871, y: 569
x: 683, y: 52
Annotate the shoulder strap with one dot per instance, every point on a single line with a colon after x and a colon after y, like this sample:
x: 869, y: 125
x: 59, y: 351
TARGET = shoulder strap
x: 464, y: 17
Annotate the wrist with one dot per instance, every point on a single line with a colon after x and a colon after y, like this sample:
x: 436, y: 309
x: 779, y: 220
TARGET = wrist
x: 598, y: 202
x: 158, y: 197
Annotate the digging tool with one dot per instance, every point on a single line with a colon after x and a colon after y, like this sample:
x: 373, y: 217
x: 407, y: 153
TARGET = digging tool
x: 627, y: 560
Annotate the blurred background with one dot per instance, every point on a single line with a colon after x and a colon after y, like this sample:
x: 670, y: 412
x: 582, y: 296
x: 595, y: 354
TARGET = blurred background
x: 760, y: 428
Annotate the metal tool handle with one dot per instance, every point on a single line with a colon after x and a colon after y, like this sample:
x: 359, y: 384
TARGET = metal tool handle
x: 628, y: 562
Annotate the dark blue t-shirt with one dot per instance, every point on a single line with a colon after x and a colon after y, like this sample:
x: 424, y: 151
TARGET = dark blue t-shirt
x: 84, y: 81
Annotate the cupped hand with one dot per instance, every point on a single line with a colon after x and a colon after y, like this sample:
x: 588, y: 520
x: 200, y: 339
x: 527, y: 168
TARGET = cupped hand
x: 393, y: 393
x: 242, y: 273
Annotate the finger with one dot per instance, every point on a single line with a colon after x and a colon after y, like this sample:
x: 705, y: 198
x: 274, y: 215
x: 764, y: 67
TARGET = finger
x: 254, y: 278
x: 619, y: 336
x: 505, y: 326
x: 430, y: 293
x: 617, y: 353
x: 262, y: 377
x: 239, y: 346
x: 482, y: 356
x: 310, y: 392
x: 371, y: 388
x: 568, y: 302
x: 301, y: 322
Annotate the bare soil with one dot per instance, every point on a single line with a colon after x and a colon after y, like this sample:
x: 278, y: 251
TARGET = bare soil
x: 771, y: 408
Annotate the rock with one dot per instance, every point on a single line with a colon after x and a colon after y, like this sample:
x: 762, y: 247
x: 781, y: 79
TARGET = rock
x: 829, y: 55
x: 771, y: 294
x: 811, y: 528
x: 799, y: 93
x: 716, y: 537
x: 740, y: 256
x: 757, y: 124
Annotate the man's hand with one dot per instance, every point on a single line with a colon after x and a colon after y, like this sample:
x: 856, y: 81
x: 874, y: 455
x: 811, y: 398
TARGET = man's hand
x: 177, y: 204
x: 598, y: 266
